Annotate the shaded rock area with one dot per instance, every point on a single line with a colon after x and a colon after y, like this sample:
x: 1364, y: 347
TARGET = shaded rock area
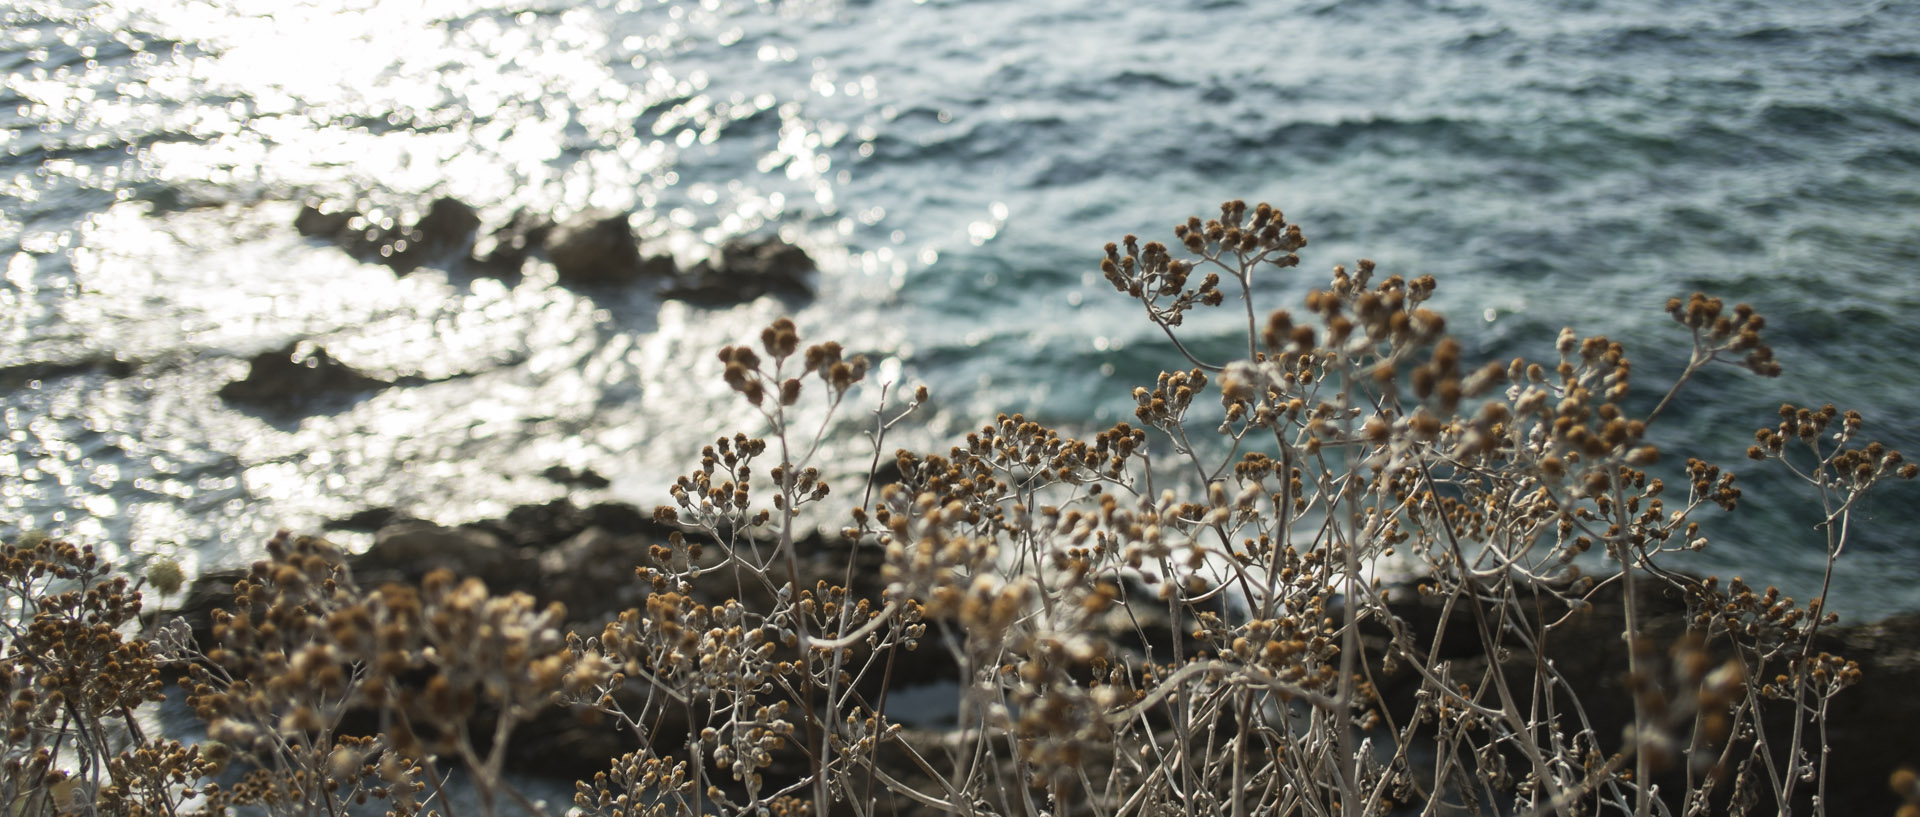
x: 583, y: 557
x: 368, y: 520
x: 1870, y: 730
x: 296, y: 377
x: 594, y: 249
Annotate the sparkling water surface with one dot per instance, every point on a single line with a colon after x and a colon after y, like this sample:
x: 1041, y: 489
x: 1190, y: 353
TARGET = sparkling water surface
x: 954, y: 167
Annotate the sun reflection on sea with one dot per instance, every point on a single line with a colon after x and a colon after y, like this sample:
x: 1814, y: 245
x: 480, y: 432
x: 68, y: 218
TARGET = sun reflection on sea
x: 156, y: 240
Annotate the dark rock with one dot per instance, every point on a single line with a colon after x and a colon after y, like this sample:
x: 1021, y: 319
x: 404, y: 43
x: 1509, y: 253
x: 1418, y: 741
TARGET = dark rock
x: 368, y: 520
x: 745, y: 269
x: 540, y: 526
x: 348, y: 229
x: 583, y: 478
x: 108, y: 364
x: 292, y: 377
x: 591, y: 571
x: 505, y: 248
x: 595, y: 595
x: 1869, y: 726
x: 447, y: 228
x: 659, y: 266
x: 212, y: 590
x: 406, y: 551
x: 543, y: 525
x: 621, y: 517
x: 595, y: 249
x: 314, y: 222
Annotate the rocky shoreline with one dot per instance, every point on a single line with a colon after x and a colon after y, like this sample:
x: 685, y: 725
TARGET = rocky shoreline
x: 592, y: 251
x: 584, y: 557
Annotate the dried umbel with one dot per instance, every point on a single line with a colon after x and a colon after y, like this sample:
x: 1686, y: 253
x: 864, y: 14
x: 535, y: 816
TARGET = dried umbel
x: 72, y: 672
x: 1716, y: 333
x: 304, y: 645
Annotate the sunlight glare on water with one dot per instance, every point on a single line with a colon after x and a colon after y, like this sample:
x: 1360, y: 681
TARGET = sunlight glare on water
x: 162, y: 247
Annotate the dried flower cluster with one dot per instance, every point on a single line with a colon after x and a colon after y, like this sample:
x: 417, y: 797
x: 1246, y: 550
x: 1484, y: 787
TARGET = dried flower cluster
x: 1179, y: 617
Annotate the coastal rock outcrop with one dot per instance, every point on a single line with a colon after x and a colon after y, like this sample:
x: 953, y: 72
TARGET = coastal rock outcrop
x: 600, y: 248
x: 505, y: 249
x: 111, y: 364
x: 584, y: 478
x: 445, y: 230
x: 593, y: 249
x: 1869, y: 725
x: 584, y: 557
x: 744, y: 269
x: 295, y: 377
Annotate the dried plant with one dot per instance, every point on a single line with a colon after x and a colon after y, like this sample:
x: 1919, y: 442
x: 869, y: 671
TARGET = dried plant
x: 72, y: 674
x: 1181, y: 616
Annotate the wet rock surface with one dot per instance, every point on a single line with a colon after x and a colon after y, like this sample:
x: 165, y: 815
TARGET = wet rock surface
x: 111, y: 365
x: 745, y: 269
x: 444, y: 231
x: 593, y: 249
x: 296, y: 378
x: 596, y: 249
x: 506, y: 248
x: 583, y: 478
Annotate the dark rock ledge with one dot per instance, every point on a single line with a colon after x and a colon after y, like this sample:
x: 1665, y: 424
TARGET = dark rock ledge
x: 583, y: 557
x: 297, y: 376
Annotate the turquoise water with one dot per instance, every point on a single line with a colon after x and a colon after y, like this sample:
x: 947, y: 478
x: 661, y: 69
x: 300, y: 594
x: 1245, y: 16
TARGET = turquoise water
x: 955, y: 168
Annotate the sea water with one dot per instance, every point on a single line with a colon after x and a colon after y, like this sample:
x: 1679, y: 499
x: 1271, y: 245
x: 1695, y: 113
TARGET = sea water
x: 954, y: 168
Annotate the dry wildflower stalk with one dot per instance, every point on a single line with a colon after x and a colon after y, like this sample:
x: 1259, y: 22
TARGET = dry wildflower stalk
x: 1180, y: 616
x: 71, y: 676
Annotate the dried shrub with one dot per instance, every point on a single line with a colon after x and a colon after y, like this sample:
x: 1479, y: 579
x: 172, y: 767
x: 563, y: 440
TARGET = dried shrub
x: 1182, y: 615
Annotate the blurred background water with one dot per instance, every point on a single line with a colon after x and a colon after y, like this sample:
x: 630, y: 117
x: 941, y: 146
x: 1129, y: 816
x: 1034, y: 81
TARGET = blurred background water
x: 954, y: 167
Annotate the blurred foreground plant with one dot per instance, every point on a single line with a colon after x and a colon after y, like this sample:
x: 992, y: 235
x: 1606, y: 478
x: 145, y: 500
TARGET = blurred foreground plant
x: 1138, y: 623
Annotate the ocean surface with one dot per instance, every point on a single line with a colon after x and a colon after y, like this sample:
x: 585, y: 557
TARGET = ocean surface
x: 955, y: 168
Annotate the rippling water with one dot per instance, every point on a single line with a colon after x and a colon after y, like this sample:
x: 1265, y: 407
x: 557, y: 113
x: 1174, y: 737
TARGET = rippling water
x: 954, y: 167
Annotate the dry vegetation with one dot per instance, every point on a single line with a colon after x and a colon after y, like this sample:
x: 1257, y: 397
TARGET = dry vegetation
x: 1175, y: 616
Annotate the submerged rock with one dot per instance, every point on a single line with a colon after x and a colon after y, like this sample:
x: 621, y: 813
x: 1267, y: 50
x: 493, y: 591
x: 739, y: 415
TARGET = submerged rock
x: 505, y: 248
x: 109, y: 364
x: 445, y: 230
x: 596, y: 248
x: 591, y: 249
x: 583, y: 478
x: 332, y: 225
x: 745, y: 269
x: 291, y: 377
